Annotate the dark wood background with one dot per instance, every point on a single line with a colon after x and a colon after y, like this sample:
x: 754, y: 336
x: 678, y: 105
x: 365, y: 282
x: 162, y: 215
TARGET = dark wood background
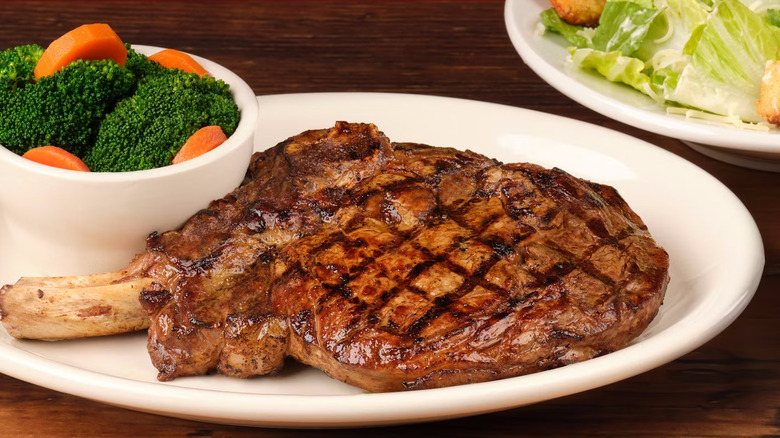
x: 729, y: 387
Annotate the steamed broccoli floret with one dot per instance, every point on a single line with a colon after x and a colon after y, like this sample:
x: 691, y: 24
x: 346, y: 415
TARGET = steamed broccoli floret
x: 64, y: 109
x: 17, y: 65
x: 140, y: 65
x: 147, y: 129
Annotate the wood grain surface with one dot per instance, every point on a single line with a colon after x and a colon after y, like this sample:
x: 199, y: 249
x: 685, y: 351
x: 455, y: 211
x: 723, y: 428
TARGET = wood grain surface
x: 730, y: 387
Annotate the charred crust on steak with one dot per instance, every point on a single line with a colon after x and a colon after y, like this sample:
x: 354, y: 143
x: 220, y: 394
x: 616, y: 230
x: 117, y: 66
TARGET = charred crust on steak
x: 396, y: 266
x: 154, y: 297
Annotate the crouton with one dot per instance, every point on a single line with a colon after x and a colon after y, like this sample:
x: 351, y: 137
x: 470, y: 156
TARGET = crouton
x: 580, y: 12
x: 768, y: 105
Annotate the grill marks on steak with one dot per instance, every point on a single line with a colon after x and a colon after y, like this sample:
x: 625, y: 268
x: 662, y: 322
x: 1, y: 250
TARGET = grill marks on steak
x: 533, y: 269
x: 400, y: 266
x: 214, y: 273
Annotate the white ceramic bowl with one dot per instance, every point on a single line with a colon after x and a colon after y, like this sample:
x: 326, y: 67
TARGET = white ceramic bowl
x: 97, y: 221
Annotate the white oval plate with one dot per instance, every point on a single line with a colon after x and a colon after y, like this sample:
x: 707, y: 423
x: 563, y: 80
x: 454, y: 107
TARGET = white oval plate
x: 698, y: 220
x: 546, y: 55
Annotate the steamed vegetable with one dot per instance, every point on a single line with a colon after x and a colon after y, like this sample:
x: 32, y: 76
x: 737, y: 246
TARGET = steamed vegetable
x: 94, y: 97
x: 706, y: 55
x: 17, y: 65
x: 171, y: 58
x: 147, y: 129
x: 55, y: 157
x: 65, y: 109
x: 203, y: 140
x: 88, y: 42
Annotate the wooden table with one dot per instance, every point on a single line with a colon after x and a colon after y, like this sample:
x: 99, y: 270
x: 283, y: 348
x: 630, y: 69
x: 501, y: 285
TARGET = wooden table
x: 729, y: 387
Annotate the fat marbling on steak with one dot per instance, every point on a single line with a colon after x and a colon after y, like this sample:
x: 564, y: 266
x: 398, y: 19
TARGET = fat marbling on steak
x: 396, y: 266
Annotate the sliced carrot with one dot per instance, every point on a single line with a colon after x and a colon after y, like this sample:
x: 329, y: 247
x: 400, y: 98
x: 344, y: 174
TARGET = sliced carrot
x: 170, y: 58
x: 55, y: 157
x: 202, y: 141
x: 88, y: 42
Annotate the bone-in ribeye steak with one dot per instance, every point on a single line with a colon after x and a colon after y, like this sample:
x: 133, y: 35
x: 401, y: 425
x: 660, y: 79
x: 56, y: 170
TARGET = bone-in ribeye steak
x: 399, y: 266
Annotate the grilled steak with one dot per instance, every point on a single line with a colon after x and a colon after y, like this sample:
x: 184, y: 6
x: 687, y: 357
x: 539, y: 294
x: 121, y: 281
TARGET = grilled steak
x: 399, y: 266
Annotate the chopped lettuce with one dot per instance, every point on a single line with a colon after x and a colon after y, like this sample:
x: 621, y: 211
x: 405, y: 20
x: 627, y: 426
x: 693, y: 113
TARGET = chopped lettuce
x: 704, y: 55
x: 574, y: 34
x: 616, y: 67
x: 773, y: 15
x: 728, y: 57
x: 672, y: 29
x: 623, y: 26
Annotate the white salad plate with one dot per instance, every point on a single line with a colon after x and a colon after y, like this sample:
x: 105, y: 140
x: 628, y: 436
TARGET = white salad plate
x: 697, y: 219
x: 547, y: 54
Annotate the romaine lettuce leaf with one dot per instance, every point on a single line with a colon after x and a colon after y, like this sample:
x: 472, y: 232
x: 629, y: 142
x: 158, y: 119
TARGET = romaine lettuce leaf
x: 761, y: 7
x: 774, y: 16
x: 728, y: 57
x: 672, y: 29
x: 573, y: 33
x: 624, y: 25
x: 616, y: 67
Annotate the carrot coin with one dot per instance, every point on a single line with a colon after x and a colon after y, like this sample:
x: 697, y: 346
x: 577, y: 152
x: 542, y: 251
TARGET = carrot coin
x: 88, y: 42
x: 170, y: 58
x: 55, y: 157
x: 202, y: 141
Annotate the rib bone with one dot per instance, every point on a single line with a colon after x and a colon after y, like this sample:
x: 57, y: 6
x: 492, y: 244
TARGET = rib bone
x: 51, y: 308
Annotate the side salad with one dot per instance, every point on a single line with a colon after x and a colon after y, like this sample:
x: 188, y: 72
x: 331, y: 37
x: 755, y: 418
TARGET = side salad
x: 701, y: 58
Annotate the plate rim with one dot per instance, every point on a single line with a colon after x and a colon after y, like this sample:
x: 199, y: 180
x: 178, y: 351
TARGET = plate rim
x: 362, y: 409
x: 708, y: 135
